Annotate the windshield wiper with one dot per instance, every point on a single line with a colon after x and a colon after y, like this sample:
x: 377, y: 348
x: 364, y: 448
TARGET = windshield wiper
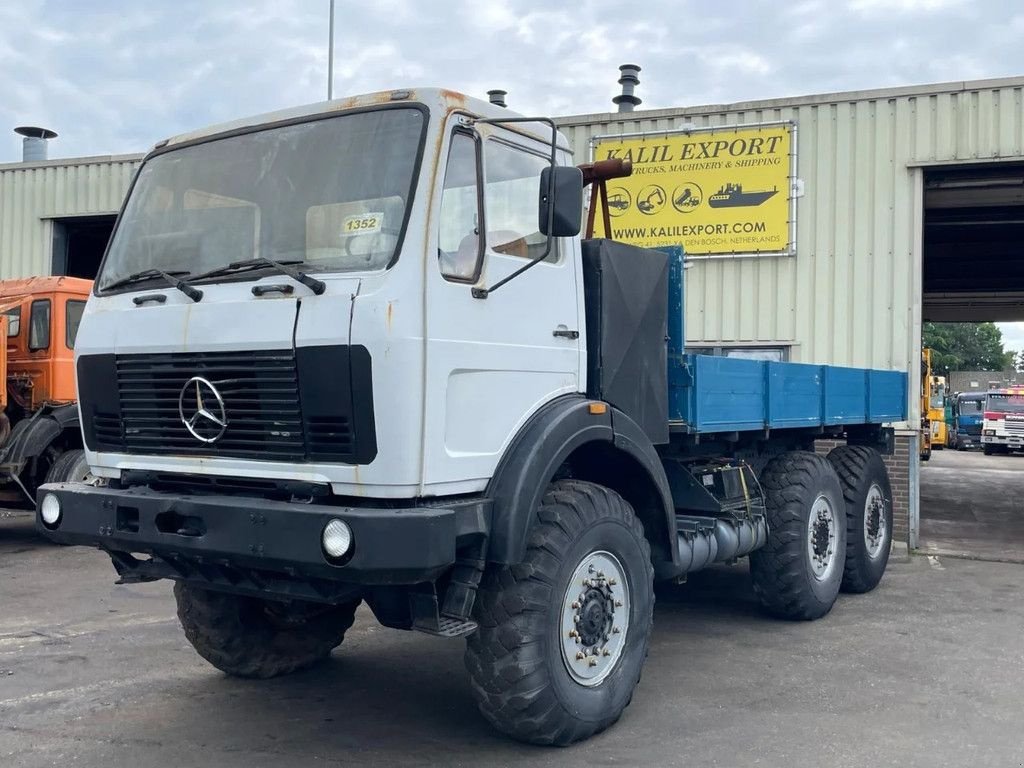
x: 148, y: 274
x: 284, y: 267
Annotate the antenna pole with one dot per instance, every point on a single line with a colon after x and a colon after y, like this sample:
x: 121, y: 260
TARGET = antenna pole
x: 330, y: 56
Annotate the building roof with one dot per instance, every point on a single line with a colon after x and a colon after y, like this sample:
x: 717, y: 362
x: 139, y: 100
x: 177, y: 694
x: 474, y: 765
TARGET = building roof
x: 932, y: 89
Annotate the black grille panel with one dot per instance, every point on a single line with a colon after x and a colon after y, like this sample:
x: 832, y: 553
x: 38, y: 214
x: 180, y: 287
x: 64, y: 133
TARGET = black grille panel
x: 313, y: 405
x: 261, y: 402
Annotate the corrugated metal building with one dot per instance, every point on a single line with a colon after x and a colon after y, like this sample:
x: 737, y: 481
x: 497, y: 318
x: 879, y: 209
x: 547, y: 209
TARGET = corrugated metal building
x: 909, y: 207
x: 55, y: 214
x: 900, y: 188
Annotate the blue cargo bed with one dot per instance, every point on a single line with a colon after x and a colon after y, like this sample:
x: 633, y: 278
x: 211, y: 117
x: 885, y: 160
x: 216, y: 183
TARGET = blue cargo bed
x: 725, y: 394
x: 709, y: 394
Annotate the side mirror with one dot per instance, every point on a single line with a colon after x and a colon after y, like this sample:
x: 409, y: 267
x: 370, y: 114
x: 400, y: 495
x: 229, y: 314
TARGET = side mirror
x: 561, y: 201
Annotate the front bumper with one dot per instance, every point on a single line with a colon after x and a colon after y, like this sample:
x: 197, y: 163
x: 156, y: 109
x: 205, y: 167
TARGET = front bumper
x: 1013, y: 442
x: 250, y: 544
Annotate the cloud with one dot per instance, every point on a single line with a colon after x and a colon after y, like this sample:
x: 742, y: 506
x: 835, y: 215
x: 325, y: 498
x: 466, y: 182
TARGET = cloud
x: 115, y: 77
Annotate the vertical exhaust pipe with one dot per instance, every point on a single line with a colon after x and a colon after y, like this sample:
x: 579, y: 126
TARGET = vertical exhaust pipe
x: 629, y: 79
x: 35, y: 144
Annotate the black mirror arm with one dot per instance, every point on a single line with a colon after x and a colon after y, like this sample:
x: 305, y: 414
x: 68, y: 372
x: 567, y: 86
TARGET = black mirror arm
x: 483, y: 293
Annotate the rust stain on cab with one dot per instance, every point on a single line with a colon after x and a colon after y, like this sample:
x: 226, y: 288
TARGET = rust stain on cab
x: 389, y: 315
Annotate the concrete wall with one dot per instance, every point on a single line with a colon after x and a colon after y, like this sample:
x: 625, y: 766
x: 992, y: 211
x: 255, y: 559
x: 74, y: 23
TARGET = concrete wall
x: 33, y: 194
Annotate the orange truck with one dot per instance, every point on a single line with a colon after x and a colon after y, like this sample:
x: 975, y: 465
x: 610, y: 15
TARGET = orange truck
x: 40, y: 436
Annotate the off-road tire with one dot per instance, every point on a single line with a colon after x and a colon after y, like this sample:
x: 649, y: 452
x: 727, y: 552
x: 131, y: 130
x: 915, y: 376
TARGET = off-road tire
x: 69, y: 467
x: 242, y: 637
x: 781, y: 570
x: 859, y: 468
x: 518, y: 676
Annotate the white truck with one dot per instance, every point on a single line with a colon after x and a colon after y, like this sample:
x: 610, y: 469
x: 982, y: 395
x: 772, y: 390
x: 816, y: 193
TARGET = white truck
x: 1002, y: 426
x: 357, y: 352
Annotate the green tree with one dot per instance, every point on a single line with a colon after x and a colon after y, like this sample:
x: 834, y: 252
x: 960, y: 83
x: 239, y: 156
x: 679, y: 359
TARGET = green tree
x: 966, y: 347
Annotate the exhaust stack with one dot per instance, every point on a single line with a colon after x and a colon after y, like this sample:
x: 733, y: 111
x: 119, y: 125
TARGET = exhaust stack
x: 629, y: 79
x: 35, y: 144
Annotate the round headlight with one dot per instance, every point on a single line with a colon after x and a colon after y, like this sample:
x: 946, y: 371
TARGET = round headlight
x: 337, y: 539
x: 49, y: 510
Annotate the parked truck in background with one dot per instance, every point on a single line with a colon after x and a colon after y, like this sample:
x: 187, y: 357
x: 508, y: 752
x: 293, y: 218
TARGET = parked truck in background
x: 358, y: 352
x: 925, y: 434
x: 938, y: 411
x: 1003, y: 421
x: 965, y: 430
x: 40, y: 439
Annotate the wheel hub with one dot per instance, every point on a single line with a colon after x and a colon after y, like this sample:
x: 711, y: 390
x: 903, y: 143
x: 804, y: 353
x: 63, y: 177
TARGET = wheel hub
x: 594, y: 618
x: 874, y: 522
x: 822, y: 534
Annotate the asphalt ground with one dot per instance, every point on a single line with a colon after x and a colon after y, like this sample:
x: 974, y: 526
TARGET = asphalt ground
x: 926, y: 671
x: 973, y: 505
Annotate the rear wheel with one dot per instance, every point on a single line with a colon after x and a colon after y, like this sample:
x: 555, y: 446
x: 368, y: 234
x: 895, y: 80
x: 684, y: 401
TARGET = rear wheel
x: 249, y: 637
x: 798, y: 572
x: 869, y: 520
x: 564, y: 634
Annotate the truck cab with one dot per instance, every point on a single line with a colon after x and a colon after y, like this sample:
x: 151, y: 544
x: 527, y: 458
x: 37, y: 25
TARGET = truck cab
x: 39, y: 320
x: 358, y: 352
x: 1003, y: 421
x: 968, y: 413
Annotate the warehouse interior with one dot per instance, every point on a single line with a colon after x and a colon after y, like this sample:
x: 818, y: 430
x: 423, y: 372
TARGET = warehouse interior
x: 973, y: 271
x: 79, y: 243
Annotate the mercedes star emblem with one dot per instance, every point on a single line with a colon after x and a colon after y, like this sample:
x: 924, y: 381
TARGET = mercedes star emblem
x: 209, y: 419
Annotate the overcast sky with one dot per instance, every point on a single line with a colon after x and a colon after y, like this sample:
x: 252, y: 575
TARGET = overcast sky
x: 114, y: 76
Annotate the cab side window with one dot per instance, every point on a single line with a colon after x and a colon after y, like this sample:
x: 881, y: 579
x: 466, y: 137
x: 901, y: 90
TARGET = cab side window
x: 13, y: 321
x: 39, y: 325
x: 510, y: 193
x: 459, y: 246
x: 72, y: 319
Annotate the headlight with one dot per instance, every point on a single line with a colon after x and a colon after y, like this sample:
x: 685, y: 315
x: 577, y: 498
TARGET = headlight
x: 49, y: 510
x: 337, y: 539
x: 990, y: 432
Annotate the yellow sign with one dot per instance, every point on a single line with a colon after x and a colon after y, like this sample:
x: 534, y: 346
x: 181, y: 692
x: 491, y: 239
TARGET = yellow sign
x: 716, y: 191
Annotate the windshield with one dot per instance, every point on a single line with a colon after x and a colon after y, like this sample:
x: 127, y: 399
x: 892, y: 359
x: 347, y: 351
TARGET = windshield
x: 331, y: 193
x: 1005, y: 403
x: 970, y: 406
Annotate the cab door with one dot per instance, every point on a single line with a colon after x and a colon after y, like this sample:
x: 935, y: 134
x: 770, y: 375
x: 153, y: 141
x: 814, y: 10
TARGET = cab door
x: 492, y: 362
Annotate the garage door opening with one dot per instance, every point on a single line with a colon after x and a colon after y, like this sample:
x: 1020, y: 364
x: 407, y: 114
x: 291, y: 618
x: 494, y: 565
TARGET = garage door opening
x: 973, y: 272
x: 79, y: 244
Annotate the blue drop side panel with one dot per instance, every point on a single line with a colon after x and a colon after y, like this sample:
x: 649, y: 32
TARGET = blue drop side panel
x: 845, y: 400
x: 729, y: 394
x: 794, y: 395
x: 887, y: 396
x: 725, y: 394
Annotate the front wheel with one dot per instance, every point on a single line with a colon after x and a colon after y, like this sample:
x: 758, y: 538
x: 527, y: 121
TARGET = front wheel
x: 69, y: 467
x: 564, y: 634
x: 798, y: 572
x: 249, y: 637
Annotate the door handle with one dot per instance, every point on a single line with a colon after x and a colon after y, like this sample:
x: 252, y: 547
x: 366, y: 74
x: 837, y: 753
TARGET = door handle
x: 564, y: 333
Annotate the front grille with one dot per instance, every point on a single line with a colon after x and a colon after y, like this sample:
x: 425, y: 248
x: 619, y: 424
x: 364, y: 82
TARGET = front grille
x: 1014, y: 427
x: 312, y: 404
x: 261, y: 402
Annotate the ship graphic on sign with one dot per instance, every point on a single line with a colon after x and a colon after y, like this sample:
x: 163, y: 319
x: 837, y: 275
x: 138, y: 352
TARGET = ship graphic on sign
x: 733, y: 196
